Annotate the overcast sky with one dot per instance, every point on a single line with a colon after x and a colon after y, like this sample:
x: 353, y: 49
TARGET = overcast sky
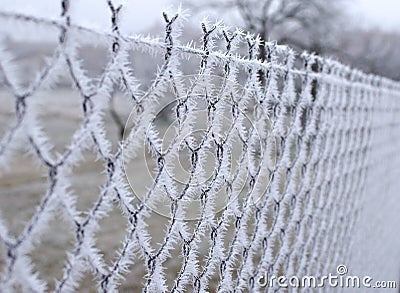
x: 379, y: 13
x: 140, y: 14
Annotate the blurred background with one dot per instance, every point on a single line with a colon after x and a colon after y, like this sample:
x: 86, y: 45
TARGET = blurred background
x: 362, y: 33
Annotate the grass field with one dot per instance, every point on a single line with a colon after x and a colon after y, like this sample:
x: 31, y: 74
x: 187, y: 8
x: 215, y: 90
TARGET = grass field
x: 24, y: 183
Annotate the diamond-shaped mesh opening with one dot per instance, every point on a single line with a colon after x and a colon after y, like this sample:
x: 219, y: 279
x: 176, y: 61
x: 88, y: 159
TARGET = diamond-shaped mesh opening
x: 22, y: 188
x: 2, y: 260
x: 116, y: 115
x: 7, y: 111
x: 33, y: 58
x: 88, y: 283
x: 145, y: 68
x: 60, y: 114
x: 174, y: 264
x: 157, y: 227
x: 94, y: 59
x: 49, y: 256
x: 135, y: 279
x: 85, y: 181
x: 112, y: 233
